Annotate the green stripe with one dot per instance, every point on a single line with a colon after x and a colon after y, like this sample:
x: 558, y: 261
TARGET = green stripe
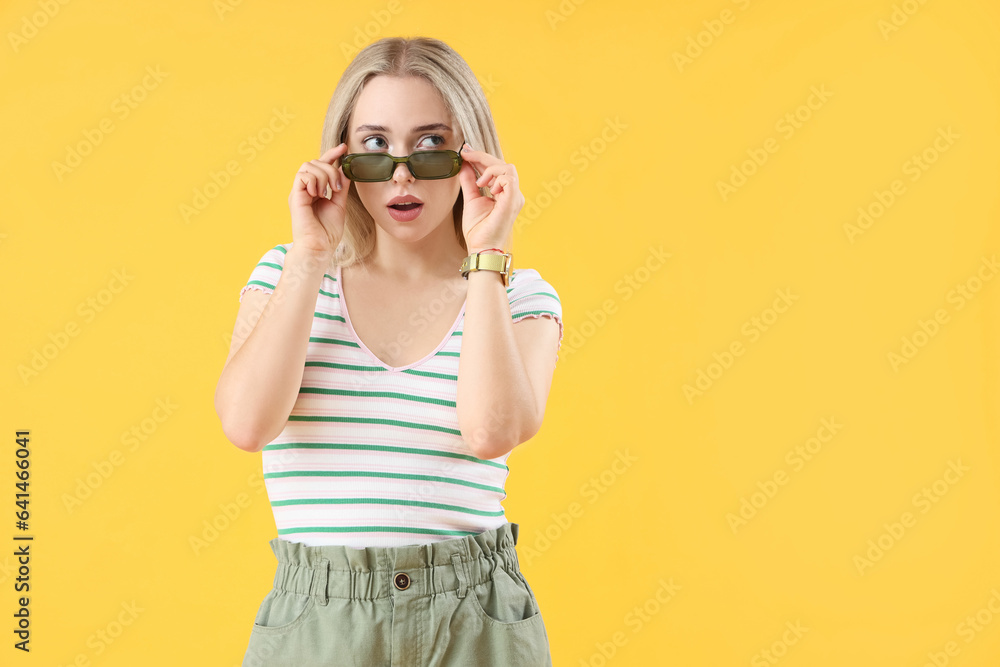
x: 440, y: 376
x: 346, y: 367
x: 329, y: 317
x: 382, y: 501
x: 333, y: 341
x: 261, y: 282
x: 374, y: 529
x: 383, y: 448
x: 377, y: 394
x: 525, y: 296
x: 534, y: 312
x: 373, y: 420
x: 389, y: 475
x: 329, y: 294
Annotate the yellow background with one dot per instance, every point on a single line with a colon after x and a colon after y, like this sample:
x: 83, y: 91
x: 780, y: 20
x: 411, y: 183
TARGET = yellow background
x: 663, y: 133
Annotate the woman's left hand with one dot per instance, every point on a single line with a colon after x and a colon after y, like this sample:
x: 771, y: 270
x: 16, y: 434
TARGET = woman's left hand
x: 486, y: 222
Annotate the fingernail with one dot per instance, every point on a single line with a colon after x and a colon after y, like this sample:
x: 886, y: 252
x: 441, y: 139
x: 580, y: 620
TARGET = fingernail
x: 466, y: 147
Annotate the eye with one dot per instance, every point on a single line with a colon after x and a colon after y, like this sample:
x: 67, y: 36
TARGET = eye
x: 371, y: 148
x: 438, y: 144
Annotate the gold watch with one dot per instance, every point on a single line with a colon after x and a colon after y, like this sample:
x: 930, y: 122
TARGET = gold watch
x: 489, y: 261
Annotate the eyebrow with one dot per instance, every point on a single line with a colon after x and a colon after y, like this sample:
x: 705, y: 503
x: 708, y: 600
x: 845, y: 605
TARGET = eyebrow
x: 419, y: 128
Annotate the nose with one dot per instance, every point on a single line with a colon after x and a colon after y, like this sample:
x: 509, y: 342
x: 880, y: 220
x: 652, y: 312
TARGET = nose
x: 402, y: 173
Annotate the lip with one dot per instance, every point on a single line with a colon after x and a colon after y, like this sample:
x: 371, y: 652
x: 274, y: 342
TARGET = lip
x: 404, y: 199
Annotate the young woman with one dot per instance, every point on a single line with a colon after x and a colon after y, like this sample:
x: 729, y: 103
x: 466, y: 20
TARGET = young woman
x: 386, y: 362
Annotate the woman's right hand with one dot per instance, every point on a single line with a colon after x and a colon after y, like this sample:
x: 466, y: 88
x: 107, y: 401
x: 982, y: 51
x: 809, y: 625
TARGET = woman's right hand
x: 318, y: 222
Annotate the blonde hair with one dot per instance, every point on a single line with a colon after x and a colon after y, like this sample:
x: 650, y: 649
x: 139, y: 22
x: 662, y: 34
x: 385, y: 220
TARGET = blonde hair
x: 436, y: 62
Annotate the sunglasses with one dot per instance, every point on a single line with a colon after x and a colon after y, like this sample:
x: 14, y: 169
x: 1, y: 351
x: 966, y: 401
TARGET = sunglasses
x: 425, y: 165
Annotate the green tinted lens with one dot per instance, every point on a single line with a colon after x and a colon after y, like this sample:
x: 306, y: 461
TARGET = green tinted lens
x: 372, y: 167
x: 432, y: 164
x: 423, y: 164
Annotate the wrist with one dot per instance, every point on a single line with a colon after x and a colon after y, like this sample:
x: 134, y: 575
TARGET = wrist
x: 496, y: 249
x: 312, y: 260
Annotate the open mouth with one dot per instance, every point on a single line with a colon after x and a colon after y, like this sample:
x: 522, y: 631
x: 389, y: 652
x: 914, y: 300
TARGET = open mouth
x: 405, y: 207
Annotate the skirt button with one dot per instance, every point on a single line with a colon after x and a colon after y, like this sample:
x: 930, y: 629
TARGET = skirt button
x: 402, y: 581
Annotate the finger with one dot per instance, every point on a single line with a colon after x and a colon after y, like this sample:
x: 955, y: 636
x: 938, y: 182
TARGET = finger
x: 333, y: 155
x: 320, y: 178
x: 315, y: 181
x: 480, y: 159
x: 334, y: 152
x: 332, y: 173
x: 467, y: 177
x: 488, y: 174
x: 305, y: 182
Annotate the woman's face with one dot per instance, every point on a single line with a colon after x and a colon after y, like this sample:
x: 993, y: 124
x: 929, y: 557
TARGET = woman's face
x: 401, y: 116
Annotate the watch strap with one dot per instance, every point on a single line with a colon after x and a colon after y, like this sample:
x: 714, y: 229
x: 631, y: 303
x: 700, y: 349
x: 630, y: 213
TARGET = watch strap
x: 480, y: 261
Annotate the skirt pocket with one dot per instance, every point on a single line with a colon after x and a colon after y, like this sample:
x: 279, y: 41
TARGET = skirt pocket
x: 281, y: 611
x: 505, y: 601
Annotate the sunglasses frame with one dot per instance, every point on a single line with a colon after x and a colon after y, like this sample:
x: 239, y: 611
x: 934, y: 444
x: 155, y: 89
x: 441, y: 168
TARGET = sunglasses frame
x: 345, y: 163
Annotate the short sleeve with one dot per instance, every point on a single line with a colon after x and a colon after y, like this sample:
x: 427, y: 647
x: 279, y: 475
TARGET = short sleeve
x: 531, y: 296
x: 264, y: 276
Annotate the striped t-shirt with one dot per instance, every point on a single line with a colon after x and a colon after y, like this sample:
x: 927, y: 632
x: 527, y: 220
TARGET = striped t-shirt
x: 372, y: 455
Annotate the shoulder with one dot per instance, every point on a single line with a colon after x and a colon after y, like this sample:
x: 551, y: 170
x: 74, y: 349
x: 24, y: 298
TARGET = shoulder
x: 276, y: 255
x: 528, y: 285
x: 266, y: 272
x: 531, y: 296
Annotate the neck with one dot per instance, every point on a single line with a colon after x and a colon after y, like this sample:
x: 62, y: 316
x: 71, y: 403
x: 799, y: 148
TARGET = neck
x: 436, y: 256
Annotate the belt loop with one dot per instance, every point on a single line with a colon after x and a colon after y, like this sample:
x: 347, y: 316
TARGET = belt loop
x: 456, y: 561
x: 320, y: 581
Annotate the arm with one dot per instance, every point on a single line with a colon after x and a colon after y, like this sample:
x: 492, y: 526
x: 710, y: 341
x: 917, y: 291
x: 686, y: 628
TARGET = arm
x: 261, y: 379
x: 505, y: 370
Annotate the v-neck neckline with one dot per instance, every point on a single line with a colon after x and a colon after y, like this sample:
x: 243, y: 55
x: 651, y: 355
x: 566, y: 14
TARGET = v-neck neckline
x: 361, y: 344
